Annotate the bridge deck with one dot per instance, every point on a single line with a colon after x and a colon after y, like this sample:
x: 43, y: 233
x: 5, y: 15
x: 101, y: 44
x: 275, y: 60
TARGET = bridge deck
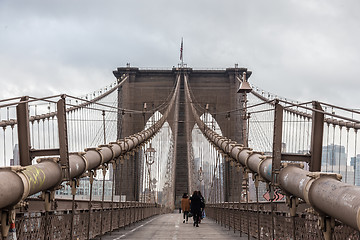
x: 170, y: 226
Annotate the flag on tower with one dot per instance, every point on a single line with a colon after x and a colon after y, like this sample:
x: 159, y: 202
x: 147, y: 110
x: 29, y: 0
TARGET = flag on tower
x: 181, y: 49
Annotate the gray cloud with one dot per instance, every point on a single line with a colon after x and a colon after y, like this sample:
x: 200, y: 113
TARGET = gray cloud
x: 302, y: 50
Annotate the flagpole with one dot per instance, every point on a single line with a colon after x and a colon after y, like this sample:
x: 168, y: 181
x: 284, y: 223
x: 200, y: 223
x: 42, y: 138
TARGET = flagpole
x: 181, y: 53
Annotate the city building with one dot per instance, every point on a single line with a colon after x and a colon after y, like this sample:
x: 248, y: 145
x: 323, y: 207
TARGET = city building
x: 355, y: 163
x: 333, y: 155
x: 84, y: 189
x: 16, y: 159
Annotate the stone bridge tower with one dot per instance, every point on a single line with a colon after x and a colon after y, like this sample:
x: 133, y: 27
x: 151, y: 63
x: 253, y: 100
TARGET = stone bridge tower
x: 217, y: 88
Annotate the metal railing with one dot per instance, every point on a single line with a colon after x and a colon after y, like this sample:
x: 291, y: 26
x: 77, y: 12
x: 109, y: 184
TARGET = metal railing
x: 280, y: 169
x: 17, y: 183
x: 328, y: 197
x: 245, y: 219
x: 56, y: 224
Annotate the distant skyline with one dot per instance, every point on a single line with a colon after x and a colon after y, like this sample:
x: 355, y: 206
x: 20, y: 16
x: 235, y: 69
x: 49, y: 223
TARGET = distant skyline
x: 302, y: 50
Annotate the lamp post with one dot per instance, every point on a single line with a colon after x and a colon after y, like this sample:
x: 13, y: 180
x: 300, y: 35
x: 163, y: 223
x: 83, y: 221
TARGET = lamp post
x: 244, y: 88
x: 200, y: 177
x: 150, y: 158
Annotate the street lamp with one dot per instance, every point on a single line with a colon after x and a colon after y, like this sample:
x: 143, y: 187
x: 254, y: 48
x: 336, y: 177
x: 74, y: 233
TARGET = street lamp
x: 150, y: 155
x: 244, y: 88
x: 150, y: 158
x: 201, y: 178
x: 200, y: 174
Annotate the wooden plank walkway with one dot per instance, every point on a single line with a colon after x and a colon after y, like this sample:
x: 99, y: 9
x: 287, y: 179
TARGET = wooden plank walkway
x: 170, y: 226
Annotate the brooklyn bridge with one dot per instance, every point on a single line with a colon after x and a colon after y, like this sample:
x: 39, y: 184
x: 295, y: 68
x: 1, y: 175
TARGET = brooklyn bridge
x: 114, y: 163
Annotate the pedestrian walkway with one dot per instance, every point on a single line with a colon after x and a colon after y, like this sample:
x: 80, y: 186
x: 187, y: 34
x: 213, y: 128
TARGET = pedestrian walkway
x: 170, y: 226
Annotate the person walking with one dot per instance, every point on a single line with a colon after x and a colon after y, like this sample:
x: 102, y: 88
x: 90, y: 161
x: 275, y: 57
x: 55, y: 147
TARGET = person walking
x: 195, y: 201
x: 202, y: 206
x: 185, y: 206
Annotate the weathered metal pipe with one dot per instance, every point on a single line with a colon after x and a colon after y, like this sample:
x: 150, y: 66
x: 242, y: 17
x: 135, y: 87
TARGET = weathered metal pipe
x: 116, y: 148
x: 93, y: 157
x: 77, y: 165
x: 27, y: 181
x: 107, y: 154
x: 46, y: 175
x: 253, y: 162
x: 339, y: 200
x: 294, y: 181
x: 323, y: 191
x: 265, y: 169
x: 11, y: 186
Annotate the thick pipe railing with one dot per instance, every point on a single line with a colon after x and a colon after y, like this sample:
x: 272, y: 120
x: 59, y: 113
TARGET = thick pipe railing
x: 324, y: 192
x: 47, y: 174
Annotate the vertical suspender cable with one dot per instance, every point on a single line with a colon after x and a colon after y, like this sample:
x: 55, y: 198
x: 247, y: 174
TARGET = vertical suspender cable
x: 347, y: 149
x: 327, y: 147
x: 333, y: 150
x: 355, y: 157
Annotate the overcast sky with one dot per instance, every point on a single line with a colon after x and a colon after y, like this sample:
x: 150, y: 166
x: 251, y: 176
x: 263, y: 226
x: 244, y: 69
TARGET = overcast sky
x: 303, y: 50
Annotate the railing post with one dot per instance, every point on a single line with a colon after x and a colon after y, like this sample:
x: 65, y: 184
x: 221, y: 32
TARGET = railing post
x: 22, y: 115
x: 104, y: 126
x: 316, y: 138
x: 276, y: 158
x: 130, y: 215
x: 246, y: 180
x: 121, y: 210
x: 228, y: 208
x: 113, y: 164
x: 233, y: 198
x: 73, y: 184
x: 104, y: 168
x: 257, y: 180
x: 277, y: 142
x: 63, y: 139
x: 64, y: 154
x: 91, y: 180
x: 240, y: 198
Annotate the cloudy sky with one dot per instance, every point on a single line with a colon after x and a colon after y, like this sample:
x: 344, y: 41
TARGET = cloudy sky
x: 303, y: 50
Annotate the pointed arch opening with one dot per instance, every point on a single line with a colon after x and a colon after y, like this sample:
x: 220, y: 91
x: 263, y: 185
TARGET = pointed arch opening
x: 156, y: 177
x: 206, y: 164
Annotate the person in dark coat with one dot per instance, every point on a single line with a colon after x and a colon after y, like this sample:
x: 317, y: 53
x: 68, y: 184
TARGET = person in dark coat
x: 202, y: 205
x: 196, y: 207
